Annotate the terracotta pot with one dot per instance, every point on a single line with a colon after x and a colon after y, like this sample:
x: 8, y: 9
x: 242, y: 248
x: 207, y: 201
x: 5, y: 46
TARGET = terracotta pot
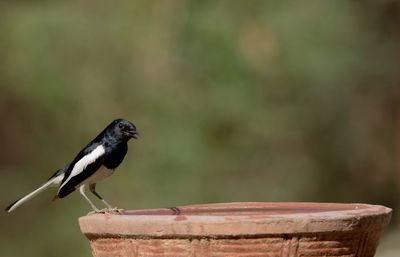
x: 239, y: 230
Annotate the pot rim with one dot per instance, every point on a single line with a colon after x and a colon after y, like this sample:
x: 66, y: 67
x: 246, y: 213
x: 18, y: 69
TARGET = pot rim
x: 237, y: 219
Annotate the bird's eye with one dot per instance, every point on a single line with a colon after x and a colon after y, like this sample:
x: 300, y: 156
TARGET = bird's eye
x: 121, y: 126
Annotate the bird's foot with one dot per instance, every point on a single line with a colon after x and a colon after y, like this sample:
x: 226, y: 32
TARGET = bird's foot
x: 109, y: 210
x: 101, y: 211
x: 116, y: 209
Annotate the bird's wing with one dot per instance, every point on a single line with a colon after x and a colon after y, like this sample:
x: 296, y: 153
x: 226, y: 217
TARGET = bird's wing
x: 85, y: 151
x: 82, y: 167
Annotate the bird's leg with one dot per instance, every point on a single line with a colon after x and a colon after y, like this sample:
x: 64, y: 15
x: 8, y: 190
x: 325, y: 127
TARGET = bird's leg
x: 82, y: 191
x: 92, y: 188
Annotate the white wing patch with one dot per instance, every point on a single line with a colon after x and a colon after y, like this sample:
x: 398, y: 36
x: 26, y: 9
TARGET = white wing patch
x: 84, y: 162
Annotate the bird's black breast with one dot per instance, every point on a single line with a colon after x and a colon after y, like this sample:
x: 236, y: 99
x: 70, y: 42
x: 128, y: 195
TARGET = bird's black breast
x: 115, y: 155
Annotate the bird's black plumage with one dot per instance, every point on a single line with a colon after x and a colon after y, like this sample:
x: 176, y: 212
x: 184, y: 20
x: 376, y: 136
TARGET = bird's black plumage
x: 107, y: 150
x: 114, y: 141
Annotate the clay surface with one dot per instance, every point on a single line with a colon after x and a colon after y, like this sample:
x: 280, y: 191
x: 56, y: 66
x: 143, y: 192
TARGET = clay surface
x: 239, y: 229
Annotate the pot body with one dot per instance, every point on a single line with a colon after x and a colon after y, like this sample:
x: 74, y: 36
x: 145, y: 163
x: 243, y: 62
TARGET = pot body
x: 239, y: 230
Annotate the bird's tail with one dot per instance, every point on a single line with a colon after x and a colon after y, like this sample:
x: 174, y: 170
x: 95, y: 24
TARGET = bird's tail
x: 52, y: 182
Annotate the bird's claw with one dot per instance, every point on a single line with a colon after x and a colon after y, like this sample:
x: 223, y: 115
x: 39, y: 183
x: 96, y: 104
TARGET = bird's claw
x: 116, y: 209
x: 109, y: 210
x: 100, y: 211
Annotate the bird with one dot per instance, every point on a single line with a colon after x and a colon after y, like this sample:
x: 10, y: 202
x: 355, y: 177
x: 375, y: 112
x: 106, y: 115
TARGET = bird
x: 95, y: 162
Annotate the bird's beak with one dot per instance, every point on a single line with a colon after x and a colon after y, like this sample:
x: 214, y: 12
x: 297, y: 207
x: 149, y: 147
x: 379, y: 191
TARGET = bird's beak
x: 133, y: 134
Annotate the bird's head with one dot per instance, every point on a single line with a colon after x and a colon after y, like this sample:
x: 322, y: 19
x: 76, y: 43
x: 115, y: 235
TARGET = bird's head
x: 124, y: 129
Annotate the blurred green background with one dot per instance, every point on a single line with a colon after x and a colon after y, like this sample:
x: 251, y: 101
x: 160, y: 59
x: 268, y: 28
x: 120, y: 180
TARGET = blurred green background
x: 234, y: 100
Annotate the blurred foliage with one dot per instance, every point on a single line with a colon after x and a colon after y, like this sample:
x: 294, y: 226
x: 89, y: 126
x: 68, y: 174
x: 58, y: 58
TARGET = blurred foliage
x: 234, y: 100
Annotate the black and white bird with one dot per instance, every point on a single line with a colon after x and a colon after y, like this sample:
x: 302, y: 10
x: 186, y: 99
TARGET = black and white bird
x: 93, y: 163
